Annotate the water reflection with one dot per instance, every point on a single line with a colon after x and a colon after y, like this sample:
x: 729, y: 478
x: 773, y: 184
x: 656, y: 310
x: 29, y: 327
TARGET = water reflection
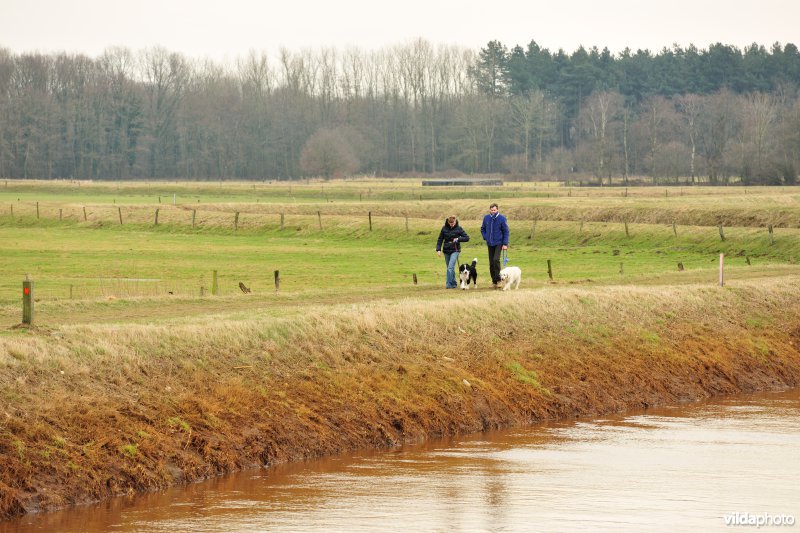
x: 681, y: 468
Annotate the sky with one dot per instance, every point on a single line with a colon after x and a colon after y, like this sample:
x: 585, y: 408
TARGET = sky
x: 224, y: 30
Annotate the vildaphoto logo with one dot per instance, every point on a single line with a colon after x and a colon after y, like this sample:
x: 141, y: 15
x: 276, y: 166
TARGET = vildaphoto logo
x: 758, y: 520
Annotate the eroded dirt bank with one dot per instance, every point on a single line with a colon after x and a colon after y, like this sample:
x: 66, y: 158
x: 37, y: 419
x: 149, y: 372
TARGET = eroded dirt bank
x: 92, y: 412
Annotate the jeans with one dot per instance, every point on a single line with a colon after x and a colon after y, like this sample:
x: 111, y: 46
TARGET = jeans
x: 451, y: 260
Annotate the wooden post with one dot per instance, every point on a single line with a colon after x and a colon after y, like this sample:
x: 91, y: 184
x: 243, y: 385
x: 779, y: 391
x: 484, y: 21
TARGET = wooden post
x: 370, y: 220
x: 281, y: 220
x: 414, y: 277
x: 194, y: 217
x: 84, y: 213
x: 60, y: 214
x: 37, y: 210
x: 27, y: 301
x: 214, y: 286
x: 319, y: 217
x: 621, y: 269
x: 680, y: 267
x: 236, y: 221
x: 406, y: 223
x: 674, y: 228
x: 159, y: 199
x: 549, y: 270
x: 747, y: 260
x: 533, y: 229
x: 721, y: 233
x: 771, y: 235
x: 277, y: 281
x: 155, y: 222
x: 626, y: 229
x: 119, y: 210
x: 580, y: 229
x: 12, y: 210
x: 721, y: 270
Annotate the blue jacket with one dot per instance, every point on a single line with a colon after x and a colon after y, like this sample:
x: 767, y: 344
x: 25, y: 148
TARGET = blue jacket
x: 495, y: 230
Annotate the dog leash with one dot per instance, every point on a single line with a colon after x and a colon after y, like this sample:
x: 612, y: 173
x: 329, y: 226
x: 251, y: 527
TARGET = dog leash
x: 505, y: 258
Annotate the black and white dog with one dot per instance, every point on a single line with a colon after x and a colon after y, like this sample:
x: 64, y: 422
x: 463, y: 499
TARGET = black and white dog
x: 467, y: 273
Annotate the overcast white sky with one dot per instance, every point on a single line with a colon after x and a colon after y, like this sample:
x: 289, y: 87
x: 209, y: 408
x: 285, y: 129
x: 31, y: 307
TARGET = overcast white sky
x: 226, y: 29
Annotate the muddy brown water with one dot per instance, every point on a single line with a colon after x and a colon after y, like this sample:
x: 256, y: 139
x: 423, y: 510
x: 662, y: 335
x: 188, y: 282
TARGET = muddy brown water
x: 693, y: 467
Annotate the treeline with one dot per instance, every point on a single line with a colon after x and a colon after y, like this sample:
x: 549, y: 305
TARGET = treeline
x: 711, y: 115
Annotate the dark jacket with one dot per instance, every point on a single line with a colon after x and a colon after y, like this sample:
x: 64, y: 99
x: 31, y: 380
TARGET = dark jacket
x: 495, y: 230
x: 448, y: 235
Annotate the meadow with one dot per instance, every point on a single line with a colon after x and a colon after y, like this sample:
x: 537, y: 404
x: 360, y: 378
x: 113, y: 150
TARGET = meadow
x: 98, y: 250
x: 136, y: 377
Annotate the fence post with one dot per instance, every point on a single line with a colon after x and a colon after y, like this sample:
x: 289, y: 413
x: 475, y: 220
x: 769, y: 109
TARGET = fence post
x: 214, y: 286
x: 155, y: 222
x: 771, y: 235
x: 84, y: 213
x: 549, y: 270
x: 27, y: 301
x: 721, y: 270
x: 621, y: 269
x: 37, y: 210
x: 12, y: 210
x: 60, y: 214
x: 277, y: 281
x: 406, y: 223
x: 626, y: 229
x: 194, y: 217
x: 674, y: 228
x: 119, y: 209
x: 236, y: 221
x: 281, y: 221
x: 370, y: 220
x: 319, y: 217
x: 721, y: 233
x: 533, y: 229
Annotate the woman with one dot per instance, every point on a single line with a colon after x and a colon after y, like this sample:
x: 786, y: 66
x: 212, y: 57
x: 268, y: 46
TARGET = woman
x: 449, y: 242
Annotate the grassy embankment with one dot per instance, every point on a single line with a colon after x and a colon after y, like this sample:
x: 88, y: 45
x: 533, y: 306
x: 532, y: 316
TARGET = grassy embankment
x: 130, y: 392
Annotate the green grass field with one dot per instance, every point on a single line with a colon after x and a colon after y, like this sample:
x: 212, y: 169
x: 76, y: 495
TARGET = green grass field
x: 89, y: 267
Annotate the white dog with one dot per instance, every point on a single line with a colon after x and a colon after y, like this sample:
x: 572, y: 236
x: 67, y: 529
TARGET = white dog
x: 509, y: 276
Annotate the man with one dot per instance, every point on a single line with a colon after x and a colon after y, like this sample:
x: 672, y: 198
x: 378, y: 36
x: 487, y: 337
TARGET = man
x: 495, y: 232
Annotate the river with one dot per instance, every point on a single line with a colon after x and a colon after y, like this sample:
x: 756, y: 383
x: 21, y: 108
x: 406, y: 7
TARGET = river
x: 696, y: 467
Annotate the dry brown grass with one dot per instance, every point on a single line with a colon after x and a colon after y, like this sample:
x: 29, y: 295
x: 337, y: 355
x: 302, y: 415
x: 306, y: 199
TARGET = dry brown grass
x: 93, y: 411
x: 260, y: 204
